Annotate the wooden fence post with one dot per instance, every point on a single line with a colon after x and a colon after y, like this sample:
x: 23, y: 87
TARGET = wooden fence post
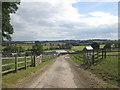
x: 105, y: 54
x: 41, y: 58
x: 34, y: 60
x: 25, y: 62
x: 102, y: 54
x: 31, y: 61
x: 97, y: 53
x: 93, y: 59
x: 16, y: 64
x: 84, y: 58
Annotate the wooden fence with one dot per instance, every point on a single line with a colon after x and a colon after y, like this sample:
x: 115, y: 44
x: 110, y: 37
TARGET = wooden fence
x: 94, y: 56
x: 13, y: 64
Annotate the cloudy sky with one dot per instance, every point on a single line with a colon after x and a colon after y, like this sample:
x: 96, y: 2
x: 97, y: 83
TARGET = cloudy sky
x: 65, y: 19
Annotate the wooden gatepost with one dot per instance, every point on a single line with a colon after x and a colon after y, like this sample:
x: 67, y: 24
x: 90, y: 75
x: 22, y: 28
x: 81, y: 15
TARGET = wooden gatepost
x: 37, y: 60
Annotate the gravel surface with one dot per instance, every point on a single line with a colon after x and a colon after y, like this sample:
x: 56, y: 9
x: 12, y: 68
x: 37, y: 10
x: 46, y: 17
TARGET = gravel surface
x: 64, y: 74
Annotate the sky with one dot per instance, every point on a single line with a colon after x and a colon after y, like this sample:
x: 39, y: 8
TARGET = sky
x: 65, y: 20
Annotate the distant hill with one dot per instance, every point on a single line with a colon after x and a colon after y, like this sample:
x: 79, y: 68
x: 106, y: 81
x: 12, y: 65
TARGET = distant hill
x: 57, y: 42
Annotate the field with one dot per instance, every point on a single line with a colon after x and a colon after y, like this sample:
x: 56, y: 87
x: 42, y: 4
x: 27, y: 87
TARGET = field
x: 26, y: 47
x: 75, y: 48
x: 48, y: 47
x: 107, y: 70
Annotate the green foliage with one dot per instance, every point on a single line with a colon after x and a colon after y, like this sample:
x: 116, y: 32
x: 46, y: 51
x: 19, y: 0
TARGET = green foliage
x: 7, y: 9
x: 95, y: 45
x: 37, y: 48
x: 107, y: 46
x: 4, y: 43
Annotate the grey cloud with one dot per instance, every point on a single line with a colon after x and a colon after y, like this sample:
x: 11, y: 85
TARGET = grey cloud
x: 37, y: 21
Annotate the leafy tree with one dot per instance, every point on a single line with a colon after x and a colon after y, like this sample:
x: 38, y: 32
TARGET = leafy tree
x: 95, y: 45
x: 68, y: 46
x: 7, y: 9
x: 37, y: 48
x: 115, y: 45
x: 107, y: 46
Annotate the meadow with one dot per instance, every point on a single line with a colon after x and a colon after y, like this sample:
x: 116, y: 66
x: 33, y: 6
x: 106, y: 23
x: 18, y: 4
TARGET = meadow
x: 76, y: 48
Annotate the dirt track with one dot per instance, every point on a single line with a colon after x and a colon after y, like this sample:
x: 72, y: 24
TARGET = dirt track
x: 64, y: 74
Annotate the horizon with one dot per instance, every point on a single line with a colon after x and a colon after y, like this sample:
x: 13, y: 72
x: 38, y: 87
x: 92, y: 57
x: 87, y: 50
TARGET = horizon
x: 68, y: 40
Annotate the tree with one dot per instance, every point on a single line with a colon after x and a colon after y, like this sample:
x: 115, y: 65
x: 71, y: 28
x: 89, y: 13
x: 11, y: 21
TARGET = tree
x: 68, y: 46
x: 107, y: 46
x: 7, y: 9
x: 37, y: 48
x: 95, y: 45
x: 115, y: 45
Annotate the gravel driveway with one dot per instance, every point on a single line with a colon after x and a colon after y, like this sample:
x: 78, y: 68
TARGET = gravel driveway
x: 64, y: 74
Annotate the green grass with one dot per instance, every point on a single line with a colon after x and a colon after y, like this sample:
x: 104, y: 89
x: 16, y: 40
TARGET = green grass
x: 10, y: 80
x: 107, y: 70
x: 75, y: 48
x: 101, y: 46
x: 13, y: 61
x: 59, y: 49
x: 4, y: 68
x: 48, y: 47
x: 26, y: 47
x: 112, y: 53
x: 77, y: 58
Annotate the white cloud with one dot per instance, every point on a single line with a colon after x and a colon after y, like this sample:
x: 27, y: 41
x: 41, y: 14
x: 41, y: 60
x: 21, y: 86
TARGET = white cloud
x: 58, y: 19
x: 71, y: 0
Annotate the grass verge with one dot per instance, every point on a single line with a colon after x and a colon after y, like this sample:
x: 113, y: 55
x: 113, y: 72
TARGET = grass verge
x: 76, y: 59
x: 106, y: 70
x: 11, y: 79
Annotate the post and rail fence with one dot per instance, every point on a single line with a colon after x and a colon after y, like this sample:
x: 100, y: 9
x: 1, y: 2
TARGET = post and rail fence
x: 13, y: 64
x: 90, y: 57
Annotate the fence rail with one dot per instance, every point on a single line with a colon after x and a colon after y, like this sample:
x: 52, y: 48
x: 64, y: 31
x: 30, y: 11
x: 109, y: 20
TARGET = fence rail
x: 92, y: 57
x: 19, y: 63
